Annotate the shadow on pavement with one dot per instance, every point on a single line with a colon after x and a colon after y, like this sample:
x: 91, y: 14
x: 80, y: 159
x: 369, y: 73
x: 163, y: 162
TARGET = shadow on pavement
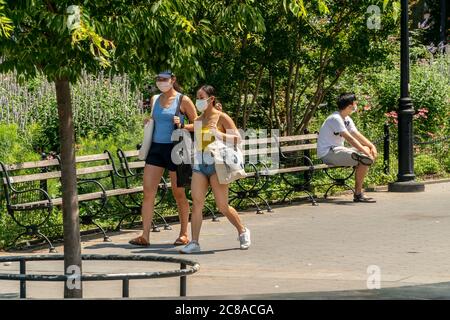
x: 337, y: 201
x: 9, y: 296
x: 204, y: 252
x: 437, y: 291
x: 126, y: 246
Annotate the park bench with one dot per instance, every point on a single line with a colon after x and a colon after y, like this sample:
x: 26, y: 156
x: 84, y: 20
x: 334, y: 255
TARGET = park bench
x: 32, y: 191
x: 291, y: 159
x: 132, y: 170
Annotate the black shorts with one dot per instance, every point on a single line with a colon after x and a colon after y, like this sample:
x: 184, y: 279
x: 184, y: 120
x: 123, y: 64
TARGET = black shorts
x: 160, y: 155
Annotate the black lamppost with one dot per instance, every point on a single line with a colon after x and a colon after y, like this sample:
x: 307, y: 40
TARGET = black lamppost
x: 405, y: 178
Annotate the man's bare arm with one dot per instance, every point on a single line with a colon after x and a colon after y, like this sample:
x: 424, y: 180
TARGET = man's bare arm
x: 355, y: 143
x: 365, y: 142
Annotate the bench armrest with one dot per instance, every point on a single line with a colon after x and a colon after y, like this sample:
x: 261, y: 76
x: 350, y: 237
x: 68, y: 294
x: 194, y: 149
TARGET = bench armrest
x: 16, y: 192
x: 98, y: 184
x: 298, y: 157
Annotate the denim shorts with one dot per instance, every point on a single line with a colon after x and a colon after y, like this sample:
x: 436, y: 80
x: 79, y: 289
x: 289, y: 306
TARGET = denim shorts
x: 206, y: 169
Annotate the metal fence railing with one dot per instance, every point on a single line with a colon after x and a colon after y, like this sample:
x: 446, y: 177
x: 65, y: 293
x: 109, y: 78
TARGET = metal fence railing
x: 23, y: 277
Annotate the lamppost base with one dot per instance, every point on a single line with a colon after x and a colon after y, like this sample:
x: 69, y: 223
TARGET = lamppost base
x: 406, y: 186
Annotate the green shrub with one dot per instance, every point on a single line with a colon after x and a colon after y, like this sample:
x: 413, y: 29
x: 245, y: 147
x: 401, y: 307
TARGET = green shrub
x: 125, y: 139
x: 426, y: 164
x: 447, y: 164
x: 15, y: 145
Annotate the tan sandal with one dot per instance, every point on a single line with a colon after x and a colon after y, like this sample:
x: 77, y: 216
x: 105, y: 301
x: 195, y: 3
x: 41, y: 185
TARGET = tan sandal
x: 181, y: 241
x: 139, y: 241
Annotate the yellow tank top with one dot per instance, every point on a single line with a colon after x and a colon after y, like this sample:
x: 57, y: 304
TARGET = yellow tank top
x: 204, y: 138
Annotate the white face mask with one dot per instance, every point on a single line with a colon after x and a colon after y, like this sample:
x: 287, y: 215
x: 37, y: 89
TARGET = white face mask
x: 355, y: 108
x: 201, y: 104
x: 164, y: 86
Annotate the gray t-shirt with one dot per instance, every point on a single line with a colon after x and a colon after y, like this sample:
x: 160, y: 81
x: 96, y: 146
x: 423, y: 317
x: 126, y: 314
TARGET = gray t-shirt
x: 330, y: 133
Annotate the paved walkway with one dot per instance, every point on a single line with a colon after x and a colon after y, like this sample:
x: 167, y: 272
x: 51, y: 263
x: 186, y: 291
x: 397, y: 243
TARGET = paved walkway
x: 298, y: 251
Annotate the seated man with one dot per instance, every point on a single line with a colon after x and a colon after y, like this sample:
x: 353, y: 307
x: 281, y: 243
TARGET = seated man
x: 336, y: 129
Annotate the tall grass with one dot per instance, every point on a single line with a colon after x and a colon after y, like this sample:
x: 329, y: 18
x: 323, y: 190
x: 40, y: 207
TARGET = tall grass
x: 99, y: 102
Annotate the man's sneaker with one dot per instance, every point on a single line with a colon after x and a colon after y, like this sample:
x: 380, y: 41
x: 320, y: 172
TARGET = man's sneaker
x: 362, y: 158
x: 244, y: 239
x: 191, y: 247
x: 361, y: 198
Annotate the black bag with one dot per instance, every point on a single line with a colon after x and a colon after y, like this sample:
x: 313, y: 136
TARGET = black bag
x: 184, y: 170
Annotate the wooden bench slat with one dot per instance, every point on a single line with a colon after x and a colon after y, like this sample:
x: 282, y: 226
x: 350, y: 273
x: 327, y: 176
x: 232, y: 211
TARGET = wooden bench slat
x: 136, y: 165
x: 272, y: 140
x: 131, y: 153
x: 272, y: 150
x: 34, y: 177
x: 96, y: 169
x: 82, y: 197
x: 123, y: 191
x: 263, y: 151
x: 299, y: 147
x: 257, y: 141
x: 299, y: 137
x: 53, y: 162
x: 31, y: 165
x: 294, y: 169
x: 94, y: 157
x: 57, y: 174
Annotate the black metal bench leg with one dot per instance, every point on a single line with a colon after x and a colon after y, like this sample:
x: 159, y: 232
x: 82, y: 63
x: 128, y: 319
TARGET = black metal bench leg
x: 328, y: 190
x: 51, y: 248
x: 311, y: 197
x: 214, y: 217
x: 106, y: 238
x: 338, y: 185
x: 119, y: 225
x: 155, y: 228
x: 238, y: 205
x: 353, y: 190
x: 258, y: 209
x: 14, y: 243
x: 287, y: 194
x: 269, y: 208
x: 166, y: 225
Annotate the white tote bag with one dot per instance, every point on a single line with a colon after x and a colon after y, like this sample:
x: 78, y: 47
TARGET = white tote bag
x: 148, y: 134
x: 228, y: 161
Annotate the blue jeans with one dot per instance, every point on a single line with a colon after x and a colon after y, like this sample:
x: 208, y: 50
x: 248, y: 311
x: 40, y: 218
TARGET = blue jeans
x: 206, y: 169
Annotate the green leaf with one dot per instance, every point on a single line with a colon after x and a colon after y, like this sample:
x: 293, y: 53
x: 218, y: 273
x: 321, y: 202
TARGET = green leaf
x: 396, y: 8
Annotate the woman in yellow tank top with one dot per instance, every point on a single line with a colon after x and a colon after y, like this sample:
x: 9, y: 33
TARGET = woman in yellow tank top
x: 203, y: 138
x: 210, y: 125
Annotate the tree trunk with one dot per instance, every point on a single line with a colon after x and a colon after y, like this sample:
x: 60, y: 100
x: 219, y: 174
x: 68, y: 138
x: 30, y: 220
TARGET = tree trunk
x: 273, y: 106
x: 288, y: 99
x: 72, y: 246
x: 255, y: 96
x: 245, y: 104
x: 292, y: 102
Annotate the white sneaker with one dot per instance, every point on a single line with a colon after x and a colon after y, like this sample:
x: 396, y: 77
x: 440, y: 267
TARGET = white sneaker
x: 191, y: 247
x: 244, y: 239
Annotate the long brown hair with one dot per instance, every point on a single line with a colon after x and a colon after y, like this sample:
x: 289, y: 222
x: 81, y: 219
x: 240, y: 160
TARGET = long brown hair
x: 176, y: 85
